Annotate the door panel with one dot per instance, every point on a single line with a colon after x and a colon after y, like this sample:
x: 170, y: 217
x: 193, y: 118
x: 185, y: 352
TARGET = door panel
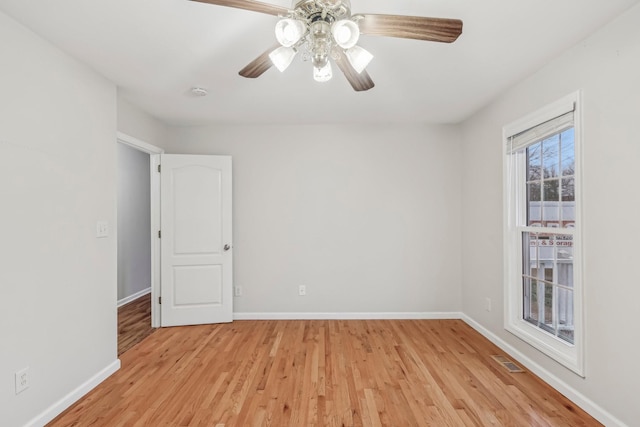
x: 197, y: 219
x: 196, y: 227
x: 197, y: 284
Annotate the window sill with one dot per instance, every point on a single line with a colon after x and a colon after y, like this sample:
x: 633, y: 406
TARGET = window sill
x: 568, y: 355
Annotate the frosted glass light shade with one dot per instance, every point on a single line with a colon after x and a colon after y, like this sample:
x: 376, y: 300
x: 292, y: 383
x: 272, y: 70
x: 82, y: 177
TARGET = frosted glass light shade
x: 346, y: 33
x: 358, y: 57
x: 289, y: 31
x: 323, y: 74
x: 282, y: 57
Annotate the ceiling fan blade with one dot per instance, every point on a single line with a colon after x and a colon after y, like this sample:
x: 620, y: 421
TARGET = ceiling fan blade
x: 359, y: 82
x: 411, y: 27
x: 253, y: 5
x: 259, y: 65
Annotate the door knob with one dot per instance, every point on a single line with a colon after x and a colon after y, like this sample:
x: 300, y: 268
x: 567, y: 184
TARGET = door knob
x: 227, y: 247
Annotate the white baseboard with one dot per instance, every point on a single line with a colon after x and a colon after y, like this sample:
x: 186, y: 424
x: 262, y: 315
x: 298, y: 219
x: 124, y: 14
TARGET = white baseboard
x: 348, y: 316
x: 572, y: 394
x: 134, y: 297
x: 75, y: 395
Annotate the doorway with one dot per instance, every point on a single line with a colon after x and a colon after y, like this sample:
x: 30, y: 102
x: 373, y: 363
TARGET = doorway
x: 199, y: 184
x: 138, y: 217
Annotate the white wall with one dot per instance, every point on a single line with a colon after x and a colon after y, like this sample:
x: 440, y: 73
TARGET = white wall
x: 366, y: 217
x: 57, y: 178
x: 134, y: 222
x: 134, y: 122
x: 605, y: 67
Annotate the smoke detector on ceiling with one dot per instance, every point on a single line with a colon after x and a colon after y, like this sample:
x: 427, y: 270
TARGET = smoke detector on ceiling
x: 199, y: 91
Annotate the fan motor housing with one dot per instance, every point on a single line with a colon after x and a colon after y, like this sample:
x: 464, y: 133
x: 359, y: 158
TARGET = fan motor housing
x: 325, y: 10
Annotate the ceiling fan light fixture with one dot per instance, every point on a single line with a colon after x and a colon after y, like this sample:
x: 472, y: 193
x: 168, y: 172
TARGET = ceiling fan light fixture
x: 289, y: 31
x: 282, y: 57
x: 358, y: 57
x: 346, y: 33
x: 327, y: 28
x: 323, y: 74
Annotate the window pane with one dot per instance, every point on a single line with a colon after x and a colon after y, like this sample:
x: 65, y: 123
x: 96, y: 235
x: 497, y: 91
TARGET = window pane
x: 565, y: 274
x: 550, y: 205
x: 534, y: 215
x: 568, y: 204
x: 526, y: 295
x: 567, y: 153
x: 567, y: 210
x: 550, y: 156
x: 565, y: 314
x: 551, y: 190
x: 564, y: 243
x: 568, y: 190
x: 533, y: 192
x: 548, y: 304
x: 566, y: 334
x: 547, y: 279
x: 529, y: 254
x: 531, y: 314
x: 534, y: 163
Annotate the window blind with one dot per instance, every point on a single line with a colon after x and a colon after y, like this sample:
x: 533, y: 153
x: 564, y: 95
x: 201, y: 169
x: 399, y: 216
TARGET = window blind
x: 537, y: 133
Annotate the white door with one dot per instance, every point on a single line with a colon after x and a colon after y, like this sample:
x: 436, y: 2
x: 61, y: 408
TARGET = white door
x: 196, y: 261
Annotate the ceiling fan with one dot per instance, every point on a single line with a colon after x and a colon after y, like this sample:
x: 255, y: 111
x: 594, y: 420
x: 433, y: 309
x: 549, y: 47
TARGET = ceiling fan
x: 326, y: 29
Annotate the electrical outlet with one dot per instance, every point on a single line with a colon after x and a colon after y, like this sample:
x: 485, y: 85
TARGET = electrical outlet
x: 487, y: 304
x: 22, y: 380
x: 237, y: 291
x: 102, y: 229
x: 302, y: 290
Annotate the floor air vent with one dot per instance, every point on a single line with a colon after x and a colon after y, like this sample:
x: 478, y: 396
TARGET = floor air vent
x: 511, y: 367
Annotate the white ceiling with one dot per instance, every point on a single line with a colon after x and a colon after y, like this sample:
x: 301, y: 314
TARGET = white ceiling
x: 156, y: 50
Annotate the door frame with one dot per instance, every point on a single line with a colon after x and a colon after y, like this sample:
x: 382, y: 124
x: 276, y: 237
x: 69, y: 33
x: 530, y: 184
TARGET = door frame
x: 154, y: 180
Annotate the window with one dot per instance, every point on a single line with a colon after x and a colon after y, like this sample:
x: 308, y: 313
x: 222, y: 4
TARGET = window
x: 542, y: 231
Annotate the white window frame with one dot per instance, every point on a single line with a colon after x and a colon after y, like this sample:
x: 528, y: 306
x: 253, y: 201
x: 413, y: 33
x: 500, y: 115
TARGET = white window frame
x: 514, y: 179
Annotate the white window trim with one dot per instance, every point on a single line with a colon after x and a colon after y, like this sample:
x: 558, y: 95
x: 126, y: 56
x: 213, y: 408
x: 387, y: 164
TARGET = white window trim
x: 569, y: 355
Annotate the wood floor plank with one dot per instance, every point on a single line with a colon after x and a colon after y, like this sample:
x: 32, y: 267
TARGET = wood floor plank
x: 134, y: 323
x: 321, y: 373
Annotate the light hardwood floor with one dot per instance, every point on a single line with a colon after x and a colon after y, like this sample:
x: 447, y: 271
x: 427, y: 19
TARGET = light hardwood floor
x: 320, y: 373
x: 134, y: 323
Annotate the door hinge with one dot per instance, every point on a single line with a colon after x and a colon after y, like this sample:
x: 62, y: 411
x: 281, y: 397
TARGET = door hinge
x: 159, y: 168
x: 159, y: 234
x: 159, y: 300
